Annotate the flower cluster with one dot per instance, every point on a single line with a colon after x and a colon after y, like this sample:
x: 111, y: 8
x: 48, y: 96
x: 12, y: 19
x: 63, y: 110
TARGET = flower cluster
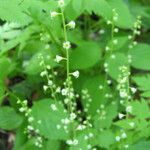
x: 30, y: 130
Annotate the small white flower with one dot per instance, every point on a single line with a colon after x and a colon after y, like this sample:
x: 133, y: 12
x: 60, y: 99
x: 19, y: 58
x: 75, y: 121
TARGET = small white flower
x: 30, y: 119
x: 50, y: 82
x: 81, y: 127
x: 69, y: 142
x: 53, y: 14
x: 58, y: 126
x: 133, y: 90
x: 48, y: 67
x: 130, y: 37
x: 123, y: 94
x: 117, y: 138
x: 100, y: 87
x: 107, y: 48
x: 39, y: 122
x: 71, y: 24
x: 101, y: 31
x: 22, y: 109
x: 30, y: 127
x: 126, y: 146
x: 91, y: 135
x: 58, y: 58
x: 132, y: 124
x: 43, y: 73
x: 115, y: 41
x: 121, y: 116
x: 75, y: 142
x: 113, y: 56
x: 65, y: 121
x: 45, y: 87
x: 105, y: 65
x: 72, y: 116
x: 66, y: 45
x: 129, y: 109
x: 61, y: 3
x: 109, y: 22
x: 64, y: 92
x: 109, y: 82
x: 124, y: 135
x: 53, y: 107
x: 116, y: 30
x: 76, y: 74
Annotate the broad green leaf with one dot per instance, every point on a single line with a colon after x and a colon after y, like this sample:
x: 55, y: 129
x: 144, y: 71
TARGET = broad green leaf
x: 9, y: 119
x: 97, y: 95
x: 142, y: 145
x: 41, y: 110
x: 33, y: 67
x: 105, y: 139
x: 110, y: 114
x: 140, y: 109
x: 114, y: 64
x: 86, y: 55
x: 125, y: 19
x: 143, y: 83
x: 140, y: 56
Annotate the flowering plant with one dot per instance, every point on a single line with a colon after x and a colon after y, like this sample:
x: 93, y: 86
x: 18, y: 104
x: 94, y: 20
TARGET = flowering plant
x: 74, y: 75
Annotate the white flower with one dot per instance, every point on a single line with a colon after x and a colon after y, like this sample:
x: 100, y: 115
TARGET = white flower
x: 126, y: 146
x: 113, y: 56
x: 109, y: 22
x: 100, y: 87
x: 61, y: 3
x: 30, y: 127
x: 47, y: 46
x: 69, y: 142
x: 58, y: 58
x: 76, y: 74
x: 124, y: 135
x: 45, y: 87
x: 71, y: 24
x: 115, y: 41
x: 53, y: 14
x: 116, y: 30
x: 75, y: 142
x: 102, y: 31
x: 48, y: 67
x: 117, y: 138
x: 133, y: 90
x: 121, y: 115
x: 50, y: 82
x: 81, y: 127
x: 109, y: 81
x: 65, y: 121
x: 58, y: 126
x: 72, y: 116
x: 43, y: 73
x: 22, y: 109
x: 129, y: 109
x: 64, y: 92
x: 53, y: 107
x: 66, y: 45
x: 132, y: 124
x: 123, y: 94
x: 105, y: 65
x: 107, y: 48
x: 30, y: 119
x: 130, y: 37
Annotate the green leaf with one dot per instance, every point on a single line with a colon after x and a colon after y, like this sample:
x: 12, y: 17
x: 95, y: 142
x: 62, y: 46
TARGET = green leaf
x: 114, y: 64
x: 85, y: 56
x: 41, y: 110
x: 97, y: 96
x: 111, y: 113
x: 33, y: 67
x: 140, y: 109
x: 10, y: 120
x: 140, y: 56
x: 125, y: 19
x: 106, y: 139
x: 142, y: 145
x: 143, y: 83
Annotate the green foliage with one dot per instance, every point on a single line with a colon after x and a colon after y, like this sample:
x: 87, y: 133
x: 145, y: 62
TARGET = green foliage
x: 74, y: 74
x: 9, y: 118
